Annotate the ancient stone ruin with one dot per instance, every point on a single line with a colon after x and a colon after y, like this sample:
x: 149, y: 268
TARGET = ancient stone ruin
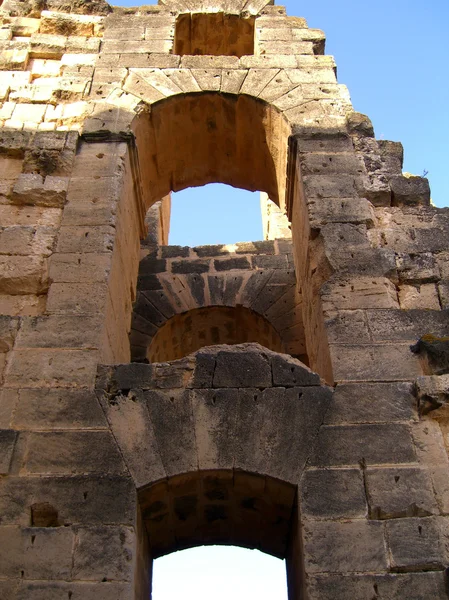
x: 288, y: 394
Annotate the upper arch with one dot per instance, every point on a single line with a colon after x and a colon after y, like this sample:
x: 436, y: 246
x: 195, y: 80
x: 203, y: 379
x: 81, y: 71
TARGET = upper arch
x: 189, y: 140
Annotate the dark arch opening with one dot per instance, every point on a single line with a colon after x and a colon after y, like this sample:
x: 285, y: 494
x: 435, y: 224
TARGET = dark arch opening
x: 218, y: 507
x: 187, y: 332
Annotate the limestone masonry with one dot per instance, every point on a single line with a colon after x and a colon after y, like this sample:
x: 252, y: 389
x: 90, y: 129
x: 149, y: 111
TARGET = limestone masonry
x: 289, y: 394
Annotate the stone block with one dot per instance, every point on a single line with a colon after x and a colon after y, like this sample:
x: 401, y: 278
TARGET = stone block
x: 175, y: 375
x: 374, y: 444
x: 82, y: 45
x: 443, y: 292
x: 327, y: 163
x: 329, y: 186
x: 204, y: 370
x: 8, y: 439
x: 8, y: 587
x: 13, y: 55
x: 25, y: 26
x: 289, y: 372
x: 360, y: 125
x: 394, y: 493
x: 405, y: 237
x: 99, y: 159
x: 376, y: 188
x: 104, y: 553
x: 268, y: 62
x: 133, y: 376
x: 270, y: 262
x: 86, y: 239
x: 423, y: 297
x: 137, y: 47
x: 416, y: 544
x: 33, y: 367
x: 23, y: 304
x: 276, y: 429
x: 129, y: 33
x: 406, y: 325
x: 209, y: 62
x: 409, y: 190
x: 242, y: 369
x: 413, y: 586
x: 352, y: 546
x: 34, y: 189
x: 58, y: 409
x: 132, y: 428
x: 26, y: 240
x: 73, y: 452
x: 389, y: 362
x: 171, y: 415
x: 359, y: 293
x: 62, y: 332
x: 80, y: 268
x: 347, y: 210
x: 23, y: 275
x: 44, y: 590
x: 143, y: 60
x: 333, y: 494
x: 372, y: 403
x: 77, y: 298
x: 232, y: 80
x: 190, y: 266
x: 417, y: 268
x: 433, y: 395
x: 215, y: 413
x: 60, y: 23
x: 281, y: 47
x: 344, y: 326
x: 36, y: 553
x: 76, y: 499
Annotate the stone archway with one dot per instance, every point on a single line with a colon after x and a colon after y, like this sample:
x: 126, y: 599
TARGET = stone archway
x: 194, y: 139
x: 216, y: 444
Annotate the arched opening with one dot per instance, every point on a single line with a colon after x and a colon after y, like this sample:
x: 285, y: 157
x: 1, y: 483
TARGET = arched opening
x: 187, y: 332
x: 217, y: 445
x: 214, y: 214
x: 224, y: 508
x: 219, y: 572
x: 200, y: 138
x: 218, y: 507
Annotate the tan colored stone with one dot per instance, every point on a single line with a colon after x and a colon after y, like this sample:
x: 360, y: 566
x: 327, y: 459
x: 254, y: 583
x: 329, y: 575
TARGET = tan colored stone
x: 51, y: 368
x: 359, y: 293
x: 23, y: 275
x: 27, y: 305
x: 419, y: 297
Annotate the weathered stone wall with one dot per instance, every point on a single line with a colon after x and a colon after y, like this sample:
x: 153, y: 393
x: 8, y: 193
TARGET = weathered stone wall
x: 258, y: 276
x: 93, y: 101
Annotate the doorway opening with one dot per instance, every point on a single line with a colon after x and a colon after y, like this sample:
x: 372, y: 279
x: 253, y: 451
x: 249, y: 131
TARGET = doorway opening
x: 219, y: 572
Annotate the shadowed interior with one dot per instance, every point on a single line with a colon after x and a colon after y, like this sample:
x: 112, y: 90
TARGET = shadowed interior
x: 218, y: 507
x: 196, y: 139
x: 214, y: 34
x: 185, y: 333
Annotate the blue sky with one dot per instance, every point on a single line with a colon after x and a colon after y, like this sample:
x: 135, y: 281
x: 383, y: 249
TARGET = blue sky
x: 393, y: 55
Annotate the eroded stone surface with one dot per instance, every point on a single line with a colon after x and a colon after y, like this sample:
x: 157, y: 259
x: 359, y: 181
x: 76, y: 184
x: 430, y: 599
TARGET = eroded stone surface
x: 103, y: 113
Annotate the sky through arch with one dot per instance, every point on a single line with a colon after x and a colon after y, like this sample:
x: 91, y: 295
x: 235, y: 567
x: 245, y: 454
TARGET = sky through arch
x: 219, y: 573
x: 393, y: 57
x: 223, y: 215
